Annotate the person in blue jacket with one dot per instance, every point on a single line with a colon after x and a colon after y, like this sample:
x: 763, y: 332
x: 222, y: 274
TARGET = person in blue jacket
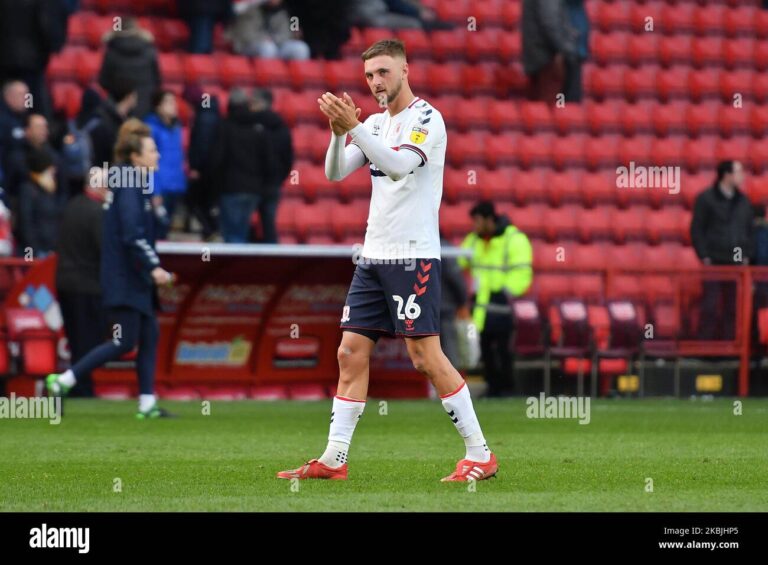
x: 130, y: 269
x: 170, y: 180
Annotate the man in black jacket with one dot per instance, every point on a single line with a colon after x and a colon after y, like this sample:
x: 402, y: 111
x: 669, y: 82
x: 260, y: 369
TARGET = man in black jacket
x: 240, y: 158
x: 131, y: 53
x: 77, y: 274
x: 111, y: 114
x: 721, y: 232
x: 30, y: 31
x: 278, y: 165
x: 202, y: 16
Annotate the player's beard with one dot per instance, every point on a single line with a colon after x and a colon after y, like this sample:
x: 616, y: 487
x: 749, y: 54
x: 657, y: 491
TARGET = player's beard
x: 390, y: 96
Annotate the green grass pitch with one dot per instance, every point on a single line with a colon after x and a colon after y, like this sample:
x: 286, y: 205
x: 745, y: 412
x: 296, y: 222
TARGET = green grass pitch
x: 699, y: 455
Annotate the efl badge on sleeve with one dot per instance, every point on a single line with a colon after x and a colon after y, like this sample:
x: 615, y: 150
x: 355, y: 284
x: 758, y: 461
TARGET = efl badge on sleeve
x: 419, y: 135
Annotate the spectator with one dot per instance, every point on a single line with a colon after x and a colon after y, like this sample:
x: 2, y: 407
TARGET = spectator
x: 721, y: 233
x: 278, y: 165
x: 240, y: 160
x: 501, y: 267
x: 30, y: 31
x: 579, y: 22
x: 548, y: 43
x: 325, y: 25
x: 77, y: 273
x: 13, y: 112
x: 202, y: 137
x: 39, y: 206
x: 760, y: 230
x: 36, y: 138
x: 111, y: 114
x: 77, y: 149
x: 170, y: 180
x: 262, y: 28
x: 415, y: 9
x: 131, y: 53
x: 377, y: 13
x: 202, y: 16
x: 453, y: 304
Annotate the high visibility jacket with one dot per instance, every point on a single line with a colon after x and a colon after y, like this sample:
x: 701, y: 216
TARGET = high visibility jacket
x: 499, y: 265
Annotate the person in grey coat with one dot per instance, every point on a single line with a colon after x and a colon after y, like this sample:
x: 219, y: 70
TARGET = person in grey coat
x: 454, y: 298
x: 549, y: 46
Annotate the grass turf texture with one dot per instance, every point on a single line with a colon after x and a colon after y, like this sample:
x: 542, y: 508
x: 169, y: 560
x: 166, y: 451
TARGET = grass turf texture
x: 700, y: 456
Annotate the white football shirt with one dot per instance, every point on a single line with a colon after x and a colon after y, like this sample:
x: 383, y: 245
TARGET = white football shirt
x: 403, y: 219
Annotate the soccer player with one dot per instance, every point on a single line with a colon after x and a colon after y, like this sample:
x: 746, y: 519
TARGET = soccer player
x: 130, y: 272
x: 395, y: 289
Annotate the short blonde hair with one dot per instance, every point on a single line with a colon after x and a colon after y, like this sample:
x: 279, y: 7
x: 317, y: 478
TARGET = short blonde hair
x: 391, y: 47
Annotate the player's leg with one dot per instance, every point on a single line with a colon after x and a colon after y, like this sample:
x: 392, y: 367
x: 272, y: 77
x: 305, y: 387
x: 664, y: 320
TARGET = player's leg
x: 125, y: 334
x: 146, y: 358
x: 365, y: 317
x: 353, y: 355
x: 428, y: 358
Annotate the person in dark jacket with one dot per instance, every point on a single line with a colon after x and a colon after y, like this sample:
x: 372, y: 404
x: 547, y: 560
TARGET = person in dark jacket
x: 205, y: 129
x: 202, y: 16
x: 579, y: 22
x: 13, y: 114
x: 278, y: 165
x: 170, y: 179
x: 325, y: 25
x: 454, y: 300
x: 131, y: 53
x: 77, y: 274
x: 30, y: 31
x: 129, y: 273
x: 548, y: 46
x: 721, y: 233
x: 241, y: 157
x: 39, y: 206
x: 111, y: 114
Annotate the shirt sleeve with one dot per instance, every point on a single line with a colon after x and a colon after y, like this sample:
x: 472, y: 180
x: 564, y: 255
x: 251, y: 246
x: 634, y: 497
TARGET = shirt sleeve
x: 130, y: 205
x: 426, y: 134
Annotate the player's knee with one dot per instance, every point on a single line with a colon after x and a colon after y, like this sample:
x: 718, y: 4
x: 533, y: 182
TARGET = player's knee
x: 348, y: 357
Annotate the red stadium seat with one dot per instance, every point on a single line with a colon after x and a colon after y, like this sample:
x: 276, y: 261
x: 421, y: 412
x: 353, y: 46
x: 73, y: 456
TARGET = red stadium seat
x: 417, y: 42
x: 668, y: 150
x: 535, y: 117
x: 759, y: 55
x: 704, y: 84
x: 735, y: 82
x: 494, y: 185
x: 760, y: 86
x: 509, y: 46
x: 529, y: 186
x: 708, y: 19
x: 445, y: 78
x: 563, y: 187
x: 591, y: 257
x: 737, y: 52
x: 561, y: 222
x: 669, y: 118
x: 455, y: 220
x: 759, y: 120
x: 598, y: 187
x: 672, y: 82
x: 271, y: 72
x: 634, y: 117
x: 643, y: 48
x: 595, y: 224
x: 602, y: 151
x: 530, y: 220
x: 510, y: 14
x: 234, y: 70
x: 739, y: 20
x: 534, y: 149
x: 349, y: 220
x: 345, y: 74
x: 478, y: 79
x: 466, y: 148
x: 612, y: 16
x: 448, y: 45
x: 707, y: 51
x: 641, y: 82
x: 568, y: 151
x: 500, y: 149
x: 630, y: 224
x: 606, y: 82
x: 677, y: 18
x: 307, y: 74
x: 503, y: 115
x: 735, y: 148
x: 314, y: 219
x: 609, y: 47
x: 675, y: 49
x: 481, y: 44
x: 569, y: 119
x: 200, y: 69
x: 734, y: 121
x: 699, y: 153
x: 603, y: 117
x: 703, y: 118
x: 693, y: 184
x: 629, y: 256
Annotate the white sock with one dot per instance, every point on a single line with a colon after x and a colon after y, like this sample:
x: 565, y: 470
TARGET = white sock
x: 146, y: 401
x: 67, y: 378
x: 344, y: 417
x: 458, y: 405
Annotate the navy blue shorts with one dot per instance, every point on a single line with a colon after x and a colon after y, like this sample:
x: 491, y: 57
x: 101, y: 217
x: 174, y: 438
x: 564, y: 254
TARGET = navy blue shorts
x: 397, y: 300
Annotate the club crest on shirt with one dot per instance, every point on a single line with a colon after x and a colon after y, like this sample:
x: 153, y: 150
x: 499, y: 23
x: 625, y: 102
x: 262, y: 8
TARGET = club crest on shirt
x: 419, y: 135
